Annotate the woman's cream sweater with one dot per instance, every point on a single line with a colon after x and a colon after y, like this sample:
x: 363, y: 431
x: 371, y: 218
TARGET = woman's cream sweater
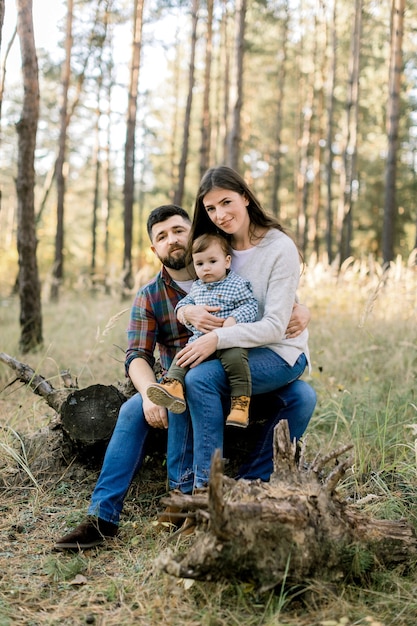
x: 274, y: 271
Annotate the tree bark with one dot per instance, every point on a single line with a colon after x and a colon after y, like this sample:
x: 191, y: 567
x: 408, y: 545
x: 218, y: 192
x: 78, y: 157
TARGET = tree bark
x: 60, y: 172
x: 129, y: 173
x: 179, y: 193
x: 1, y: 19
x: 331, y: 81
x: 206, y: 115
x: 235, y: 138
x: 4, y: 65
x: 29, y: 284
x: 288, y: 531
x: 277, y: 145
x: 348, y: 171
x: 393, y: 120
x: 308, y: 115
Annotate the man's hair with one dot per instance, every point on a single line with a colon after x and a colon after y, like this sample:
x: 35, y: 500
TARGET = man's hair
x: 205, y: 241
x: 162, y: 213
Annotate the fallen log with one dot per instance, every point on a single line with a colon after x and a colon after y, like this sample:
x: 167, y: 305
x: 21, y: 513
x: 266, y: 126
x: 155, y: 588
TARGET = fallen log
x: 289, y: 531
x: 85, y: 418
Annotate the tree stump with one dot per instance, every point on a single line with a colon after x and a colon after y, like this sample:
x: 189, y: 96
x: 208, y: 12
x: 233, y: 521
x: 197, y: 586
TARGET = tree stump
x: 291, y: 530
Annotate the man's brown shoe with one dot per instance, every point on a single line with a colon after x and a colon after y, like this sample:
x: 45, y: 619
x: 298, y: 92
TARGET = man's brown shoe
x: 171, y: 518
x: 93, y: 532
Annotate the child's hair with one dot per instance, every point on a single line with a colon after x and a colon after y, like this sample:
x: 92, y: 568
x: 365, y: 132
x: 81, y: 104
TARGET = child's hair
x: 204, y: 241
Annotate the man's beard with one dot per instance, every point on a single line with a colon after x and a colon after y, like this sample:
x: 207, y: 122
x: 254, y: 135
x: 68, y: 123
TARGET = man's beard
x: 174, y: 263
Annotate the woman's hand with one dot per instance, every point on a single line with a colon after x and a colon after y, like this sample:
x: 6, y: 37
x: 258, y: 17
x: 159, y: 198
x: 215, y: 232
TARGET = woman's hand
x: 197, y: 351
x: 201, y: 317
x: 299, y: 320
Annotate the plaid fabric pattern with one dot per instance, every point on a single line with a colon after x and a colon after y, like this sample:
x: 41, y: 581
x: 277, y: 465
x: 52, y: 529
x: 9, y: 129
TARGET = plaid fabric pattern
x: 153, y: 326
x: 233, y: 295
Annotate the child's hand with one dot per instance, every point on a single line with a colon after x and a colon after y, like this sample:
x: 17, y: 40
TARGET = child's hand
x: 300, y: 318
x: 229, y: 321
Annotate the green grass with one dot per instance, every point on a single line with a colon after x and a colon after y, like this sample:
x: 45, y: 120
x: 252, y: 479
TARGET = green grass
x: 364, y: 350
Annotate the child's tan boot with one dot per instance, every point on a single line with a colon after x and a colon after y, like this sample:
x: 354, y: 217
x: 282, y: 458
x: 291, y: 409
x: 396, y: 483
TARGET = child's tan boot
x: 169, y: 394
x: 239, y: 412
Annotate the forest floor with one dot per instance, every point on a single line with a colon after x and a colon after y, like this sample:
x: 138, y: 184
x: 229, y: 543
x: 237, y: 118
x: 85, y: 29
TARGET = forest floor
x: 364, y: 351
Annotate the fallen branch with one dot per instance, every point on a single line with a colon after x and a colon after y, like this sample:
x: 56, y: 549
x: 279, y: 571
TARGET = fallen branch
x: 38, y: 384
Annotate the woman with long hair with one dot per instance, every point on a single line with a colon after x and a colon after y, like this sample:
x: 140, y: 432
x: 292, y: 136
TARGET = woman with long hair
x: 266, y: 256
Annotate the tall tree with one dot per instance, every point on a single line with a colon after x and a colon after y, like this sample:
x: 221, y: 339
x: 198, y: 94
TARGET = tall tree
x: 60, y: 173
x: 178, y: 197
x: 306, y: 120
x: 313, y: 227
x: 348, y: 173
x: 96, y: 161
x: 101, y: 68
x: 29, y: 284
x: 234, y: 140
x: 223, y: 86
x: 2, y: 8
x: 393, y: 120
x: 206, y: 117
x: 130, y: 145
x: 106, y: 180
x: 330, y: 110
x: 277, y: 145
x: 4, y: 64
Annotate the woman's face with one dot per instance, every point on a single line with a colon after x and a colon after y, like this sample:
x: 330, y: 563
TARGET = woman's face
x: 228, y: 211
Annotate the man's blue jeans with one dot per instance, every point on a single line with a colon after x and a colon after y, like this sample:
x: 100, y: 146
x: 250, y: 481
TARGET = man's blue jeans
x: 125, y: 454
x: 210, y: 396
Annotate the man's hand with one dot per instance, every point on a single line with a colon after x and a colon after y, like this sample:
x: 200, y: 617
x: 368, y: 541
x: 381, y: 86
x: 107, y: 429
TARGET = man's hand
x: 197, y: 351
x: 142, y: 375
x: 299, y: 320
x: 229, y: 321
x: 155, y: 415
x: 201, y: 317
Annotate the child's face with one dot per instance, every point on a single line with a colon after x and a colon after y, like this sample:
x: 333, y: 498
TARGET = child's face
x: 211, y: 265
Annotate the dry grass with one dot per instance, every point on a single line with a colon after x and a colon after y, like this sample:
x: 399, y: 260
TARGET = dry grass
x: 364, y: 347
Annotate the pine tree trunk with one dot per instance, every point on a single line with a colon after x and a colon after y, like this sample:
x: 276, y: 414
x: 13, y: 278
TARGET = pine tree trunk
x: 60, y: 174
x: 29, y: 284
x: 179, y: 193
x: 235, y: 130
x: 330, y: 131
x: 129, y: 173
x: 206, y: 115
x: 393, y: 120
x: 276, y: 152
x: 349, y: 150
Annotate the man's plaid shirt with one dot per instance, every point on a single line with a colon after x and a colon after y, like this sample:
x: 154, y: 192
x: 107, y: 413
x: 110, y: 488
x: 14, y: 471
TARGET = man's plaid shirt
x: 153, y: 323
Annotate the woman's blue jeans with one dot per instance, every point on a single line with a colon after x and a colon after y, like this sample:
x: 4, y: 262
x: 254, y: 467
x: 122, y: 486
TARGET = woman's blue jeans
x: 208, y: 397
x: 188, y: 456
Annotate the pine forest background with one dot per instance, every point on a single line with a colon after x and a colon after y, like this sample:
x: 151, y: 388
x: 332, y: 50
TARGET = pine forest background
x: 313, y: 101
x: 110, y: 108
